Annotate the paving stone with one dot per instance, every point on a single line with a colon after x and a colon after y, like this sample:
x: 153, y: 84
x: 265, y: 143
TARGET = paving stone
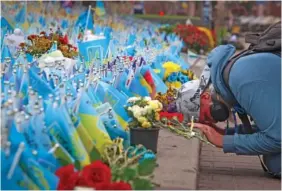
x: 232, y: 172
x: 178, y: 160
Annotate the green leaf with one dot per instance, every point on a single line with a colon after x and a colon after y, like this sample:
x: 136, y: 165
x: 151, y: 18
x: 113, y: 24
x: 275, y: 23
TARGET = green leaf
x: 142, y: 184
x: 147, y: 167
x: 95, y: 155
x: 129, y: 174
x: 77, y: 165
x: 115, y: 173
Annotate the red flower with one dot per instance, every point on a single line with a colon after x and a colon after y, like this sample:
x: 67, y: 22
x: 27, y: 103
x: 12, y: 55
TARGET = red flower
x: 95, y: 175
x: 66, y: 39
x: 68, y: 177
x: 62, y: 40
x: 120, y: 186
x: 171, y: 115
x: 22, y: 44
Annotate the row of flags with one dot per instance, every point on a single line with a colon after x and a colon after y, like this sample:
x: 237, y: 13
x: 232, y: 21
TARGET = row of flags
x: 26, y: 20
x: 66, y: 112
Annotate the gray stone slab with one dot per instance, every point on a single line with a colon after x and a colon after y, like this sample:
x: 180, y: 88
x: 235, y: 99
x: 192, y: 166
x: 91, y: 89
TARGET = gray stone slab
x: 178, y: 160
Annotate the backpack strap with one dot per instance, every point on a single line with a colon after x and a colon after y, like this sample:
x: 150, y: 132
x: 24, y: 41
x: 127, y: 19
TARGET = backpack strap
x: 228, y: 67
x: 242, y: 115
x: 267, y: 41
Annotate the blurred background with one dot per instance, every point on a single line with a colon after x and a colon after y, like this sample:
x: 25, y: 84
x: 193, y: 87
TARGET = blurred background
x: 222, y: 21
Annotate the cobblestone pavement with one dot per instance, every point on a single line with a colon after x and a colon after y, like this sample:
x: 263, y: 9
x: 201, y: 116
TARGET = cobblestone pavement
x: 220, y: 171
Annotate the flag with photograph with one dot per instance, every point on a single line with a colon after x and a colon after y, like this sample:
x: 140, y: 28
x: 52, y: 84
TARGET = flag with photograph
x: 94, y: 50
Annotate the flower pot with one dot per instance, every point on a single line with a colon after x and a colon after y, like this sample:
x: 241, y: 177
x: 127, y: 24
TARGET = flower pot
x: 146, y: 137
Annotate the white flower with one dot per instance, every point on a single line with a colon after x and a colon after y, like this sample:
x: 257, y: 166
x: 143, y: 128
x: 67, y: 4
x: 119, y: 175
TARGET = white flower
x: 148, y: 109
x: 137, y: 113
x: 147, y: 98
x: 129, y: 108
x: 143, y: 111
x: 133, y: 99
x: 192, y: 133
x: 136, y: 108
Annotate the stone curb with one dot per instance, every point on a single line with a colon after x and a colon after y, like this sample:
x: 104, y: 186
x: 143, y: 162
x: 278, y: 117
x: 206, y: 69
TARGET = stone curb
x: 178, y: 160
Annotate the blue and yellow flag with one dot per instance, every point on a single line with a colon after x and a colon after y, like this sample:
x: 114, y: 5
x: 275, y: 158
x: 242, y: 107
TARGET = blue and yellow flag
x: 61, y: 127
x: 107, y: 93
x: 39, y: 84
x: 90, y: 120
x: 19, y: 179
x: 100, y: 8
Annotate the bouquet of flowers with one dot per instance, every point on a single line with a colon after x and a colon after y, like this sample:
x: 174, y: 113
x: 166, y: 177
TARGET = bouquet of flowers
x: 195, y: 39
x: 168, y: 100
x: 40, y: 44
x: 143, y: 111
x: 118, y: 170
x: 175, y: 76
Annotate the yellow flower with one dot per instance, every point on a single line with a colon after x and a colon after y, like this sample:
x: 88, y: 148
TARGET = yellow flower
x: 170, y: 67
x: 157, y: 116
x: 146, y: 124
x: 160, y: 105
x: 141, y: 119
x: 148, y: 109
x: 176, y: 85
x: 154, y: 105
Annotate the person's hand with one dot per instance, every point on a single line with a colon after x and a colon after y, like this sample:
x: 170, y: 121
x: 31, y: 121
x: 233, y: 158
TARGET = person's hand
x: 211, y: 133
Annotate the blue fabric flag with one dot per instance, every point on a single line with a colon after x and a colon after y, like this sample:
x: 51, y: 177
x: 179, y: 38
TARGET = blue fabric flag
x: 112, y: 125
x: 45, y: 179
x: 159, y: 84
x: 39, y: 85
x: 20, y: 17
x: 95, y: 49
x: 61, y: 127
x: 24, y: 89
x: 6, y: 24
x: 19, y: 179
x: 100, y: 8
x: 6, y: 53
x: 42, y: 21
x: 65, y: 24
x: 82, y: 20
x: 107, y: 93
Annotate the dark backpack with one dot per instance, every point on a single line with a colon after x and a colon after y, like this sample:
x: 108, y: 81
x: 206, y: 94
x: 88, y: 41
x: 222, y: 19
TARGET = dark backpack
x: 267, y: 41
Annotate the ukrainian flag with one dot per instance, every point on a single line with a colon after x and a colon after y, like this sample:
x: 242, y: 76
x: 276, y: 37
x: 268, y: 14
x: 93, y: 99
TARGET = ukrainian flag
x: 94, y: 126
x: 19, y: 180
x: 100, y: 8
x: 60, y: 127
x: 107, y: 93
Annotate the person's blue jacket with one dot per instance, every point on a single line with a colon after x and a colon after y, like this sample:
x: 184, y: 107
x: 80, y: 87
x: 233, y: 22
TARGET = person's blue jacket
x: 255, y: 82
